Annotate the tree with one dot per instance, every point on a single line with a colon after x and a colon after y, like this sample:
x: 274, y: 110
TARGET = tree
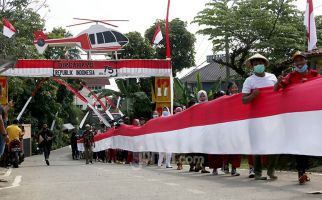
x: 22, y: 14
x: 273, y: 28
x: 135, y: 96
x: 61, y: 52
x: 182, y: 44
x: 138, y: 47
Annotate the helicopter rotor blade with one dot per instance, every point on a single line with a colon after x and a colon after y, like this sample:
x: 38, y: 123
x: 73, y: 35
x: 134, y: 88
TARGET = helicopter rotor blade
x: 116, y: 20
x: 79, y: 24
x: 108, y: 24
x: 92, y: 20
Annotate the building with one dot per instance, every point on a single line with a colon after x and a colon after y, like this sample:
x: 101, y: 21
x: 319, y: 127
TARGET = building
x: 210, y: 75
x: 93, y: 84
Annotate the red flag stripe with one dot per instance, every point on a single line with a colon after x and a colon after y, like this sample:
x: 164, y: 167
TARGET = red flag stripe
x: 7, y: 24
x: 296, y: 98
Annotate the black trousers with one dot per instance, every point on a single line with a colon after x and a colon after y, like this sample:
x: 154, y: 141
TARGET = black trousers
x: 46, y: 145
x: 75, y: 152
x: 302, y: 163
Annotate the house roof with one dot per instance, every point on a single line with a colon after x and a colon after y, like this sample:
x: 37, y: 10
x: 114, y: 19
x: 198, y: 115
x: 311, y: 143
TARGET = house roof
x: 209, y: 73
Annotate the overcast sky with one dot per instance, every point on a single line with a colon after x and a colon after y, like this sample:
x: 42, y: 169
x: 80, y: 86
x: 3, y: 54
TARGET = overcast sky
x: 141, y: 13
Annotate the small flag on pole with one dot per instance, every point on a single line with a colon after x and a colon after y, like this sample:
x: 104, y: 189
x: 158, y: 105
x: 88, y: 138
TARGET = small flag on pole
x: 157, y: 35
x: 8, y: 29
x: 309, y: 22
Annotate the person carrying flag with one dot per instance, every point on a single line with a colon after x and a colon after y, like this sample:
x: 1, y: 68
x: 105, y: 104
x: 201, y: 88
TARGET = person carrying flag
x: 301, y: 74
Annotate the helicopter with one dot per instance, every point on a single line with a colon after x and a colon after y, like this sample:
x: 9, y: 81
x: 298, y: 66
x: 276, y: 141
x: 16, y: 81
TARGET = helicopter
x: 97, y: 38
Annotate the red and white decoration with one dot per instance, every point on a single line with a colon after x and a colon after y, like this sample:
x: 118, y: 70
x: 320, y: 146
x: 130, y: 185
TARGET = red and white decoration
x: 157, y: 35
x: 309, y: 22
x: 284, y: 122
x: 8, y: 29
x: 90, y: 68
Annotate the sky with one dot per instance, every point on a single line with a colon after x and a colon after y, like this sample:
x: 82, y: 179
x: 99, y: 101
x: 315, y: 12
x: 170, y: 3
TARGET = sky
x: 141, y: 13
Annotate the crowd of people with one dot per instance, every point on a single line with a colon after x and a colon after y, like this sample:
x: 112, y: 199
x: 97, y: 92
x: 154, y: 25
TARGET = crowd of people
x: 199, y: 161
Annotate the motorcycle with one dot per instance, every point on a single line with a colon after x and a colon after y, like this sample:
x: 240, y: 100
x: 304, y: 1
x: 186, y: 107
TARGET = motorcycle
x: 16, y: 156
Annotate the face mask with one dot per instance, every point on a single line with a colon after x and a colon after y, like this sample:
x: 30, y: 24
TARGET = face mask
x: 165, y: 113
x: 259, y: 69
x: 155, y: 116
x: 302, y: 69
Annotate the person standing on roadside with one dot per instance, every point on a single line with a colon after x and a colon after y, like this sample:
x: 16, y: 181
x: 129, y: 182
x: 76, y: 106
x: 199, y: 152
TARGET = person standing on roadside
x: 259, y: 79
x: 88, y: 139
x: 301, y: 74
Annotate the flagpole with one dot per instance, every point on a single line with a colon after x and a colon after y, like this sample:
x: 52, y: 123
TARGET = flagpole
x: 168, y: 51
x: 168, y: 54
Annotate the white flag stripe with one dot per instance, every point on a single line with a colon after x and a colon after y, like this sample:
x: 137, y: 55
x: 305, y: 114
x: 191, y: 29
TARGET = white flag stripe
x: 7, y: 32
x: 158, y: 38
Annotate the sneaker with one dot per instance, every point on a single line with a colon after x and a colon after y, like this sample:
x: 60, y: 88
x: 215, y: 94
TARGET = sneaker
x: 47, y: 162
x: 251, y: 173
x: 273, y: 177
x: 260, y: 178
x: 234, y: 172
x: 215, y: 172
x: 91, y: 162
x: 205, y: 171
x: 191, y: 169
x: 168, y: 166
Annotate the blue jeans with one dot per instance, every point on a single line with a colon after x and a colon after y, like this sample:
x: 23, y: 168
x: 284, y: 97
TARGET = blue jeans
x: 2, y: 144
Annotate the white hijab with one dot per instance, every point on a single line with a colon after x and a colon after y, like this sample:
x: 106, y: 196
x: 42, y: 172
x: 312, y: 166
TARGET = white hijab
x: 204, y: 93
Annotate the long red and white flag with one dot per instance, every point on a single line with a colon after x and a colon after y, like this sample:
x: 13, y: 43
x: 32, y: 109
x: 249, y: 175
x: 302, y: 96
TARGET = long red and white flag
x: 309, y: 22
x: 284, y: 122
x: 8, y: 29
x: 157, y: 35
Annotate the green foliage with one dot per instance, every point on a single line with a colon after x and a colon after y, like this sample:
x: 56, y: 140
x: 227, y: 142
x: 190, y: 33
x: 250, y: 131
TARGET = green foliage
x: 61, y: 52
x: 182, y: 92
x: 138, y: 47
x: 273, y: 28
x: 26, y: 21
x: 198, y: 84
x: 51, y: 98
x: 182, y: 44
x: 135, y: 95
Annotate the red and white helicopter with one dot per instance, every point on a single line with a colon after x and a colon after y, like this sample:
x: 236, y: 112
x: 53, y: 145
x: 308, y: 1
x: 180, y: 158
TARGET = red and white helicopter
x: 97, y: 38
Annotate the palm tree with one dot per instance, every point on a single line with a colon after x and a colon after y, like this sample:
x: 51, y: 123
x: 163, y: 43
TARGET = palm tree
x: 134, y: 99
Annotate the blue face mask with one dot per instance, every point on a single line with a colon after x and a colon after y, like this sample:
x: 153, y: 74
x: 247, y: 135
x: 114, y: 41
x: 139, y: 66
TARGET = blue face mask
x: 165, y: 113
x: 259, y: 69
x: 302, y: 69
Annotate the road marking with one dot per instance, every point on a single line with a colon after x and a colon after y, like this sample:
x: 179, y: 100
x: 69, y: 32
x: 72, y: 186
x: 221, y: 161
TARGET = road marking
x: 194, y: 191
x: 16, y: 183
x: 8, y: 172
x: 172, y: 184
x: 152, y: 180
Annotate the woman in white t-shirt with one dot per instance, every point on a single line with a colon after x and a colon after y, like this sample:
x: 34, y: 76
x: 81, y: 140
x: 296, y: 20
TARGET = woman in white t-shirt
x: 259, y: 79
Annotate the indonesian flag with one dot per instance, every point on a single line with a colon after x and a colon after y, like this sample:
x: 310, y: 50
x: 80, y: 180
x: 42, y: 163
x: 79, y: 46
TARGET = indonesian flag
x: 157, y: 35
x: 8, y: 29
x: 284, y: 122
x: 309, y: 22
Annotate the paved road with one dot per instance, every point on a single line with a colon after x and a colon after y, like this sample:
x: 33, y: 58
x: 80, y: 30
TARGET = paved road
x: 67, y: 179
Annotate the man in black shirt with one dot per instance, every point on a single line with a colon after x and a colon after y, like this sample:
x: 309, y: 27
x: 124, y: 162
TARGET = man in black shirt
x: 45, y: 141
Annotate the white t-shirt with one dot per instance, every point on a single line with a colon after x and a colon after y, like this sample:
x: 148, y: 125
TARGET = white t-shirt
x: 254, y: 82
